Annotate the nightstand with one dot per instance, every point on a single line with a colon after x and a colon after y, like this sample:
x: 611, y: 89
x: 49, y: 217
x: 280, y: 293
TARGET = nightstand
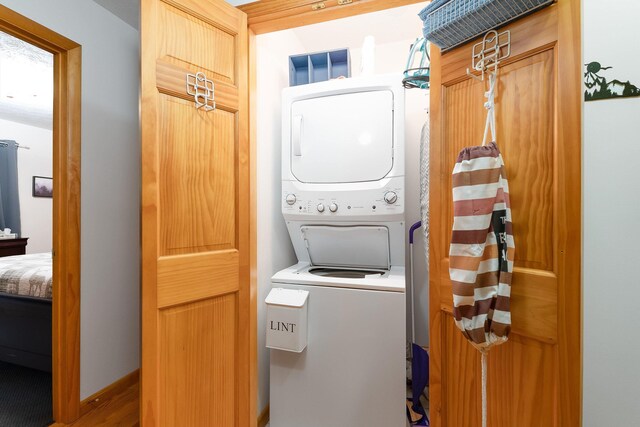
x: 10, y: 247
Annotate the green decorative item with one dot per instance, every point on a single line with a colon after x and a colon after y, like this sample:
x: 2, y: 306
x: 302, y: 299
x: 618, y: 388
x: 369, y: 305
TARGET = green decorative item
x: 597, y: 86
x: 418, y: 70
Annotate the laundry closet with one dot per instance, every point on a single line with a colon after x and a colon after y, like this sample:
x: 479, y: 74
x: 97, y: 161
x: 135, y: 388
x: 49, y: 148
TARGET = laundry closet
x: 277, y: 215
x: 338, y: 210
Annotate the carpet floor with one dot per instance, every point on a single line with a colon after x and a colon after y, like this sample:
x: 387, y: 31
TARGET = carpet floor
x: 25, y: 397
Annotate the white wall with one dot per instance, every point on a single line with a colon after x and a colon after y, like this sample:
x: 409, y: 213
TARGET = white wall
x: 275, y: 251
x: 611, y: 212
x: 36, y: 213
x: 110, y: 184
x: 394, y: 31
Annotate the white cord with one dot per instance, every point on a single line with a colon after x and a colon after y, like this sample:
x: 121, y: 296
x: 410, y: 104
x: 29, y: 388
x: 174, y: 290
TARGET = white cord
x: 490, y: 105
x: 484, y: 389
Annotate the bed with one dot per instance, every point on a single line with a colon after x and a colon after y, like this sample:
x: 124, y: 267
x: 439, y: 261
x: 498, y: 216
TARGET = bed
x: 25, y: 310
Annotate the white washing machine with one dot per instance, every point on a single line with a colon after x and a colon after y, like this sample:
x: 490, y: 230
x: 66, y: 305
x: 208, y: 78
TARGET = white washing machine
x: 352, y: 372
x: 343, y: 203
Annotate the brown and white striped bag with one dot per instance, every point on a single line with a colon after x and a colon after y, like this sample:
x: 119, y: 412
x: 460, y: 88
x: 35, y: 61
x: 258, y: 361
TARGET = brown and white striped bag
x: 482, y: 247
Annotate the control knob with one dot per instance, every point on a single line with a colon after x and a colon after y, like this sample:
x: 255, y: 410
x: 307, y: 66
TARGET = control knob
x: 320, y: 207
x: 390, y: 197
x: 291, y: 199
x: 333, y: 207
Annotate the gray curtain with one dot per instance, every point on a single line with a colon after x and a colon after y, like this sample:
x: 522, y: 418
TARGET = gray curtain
x: 9, y: 198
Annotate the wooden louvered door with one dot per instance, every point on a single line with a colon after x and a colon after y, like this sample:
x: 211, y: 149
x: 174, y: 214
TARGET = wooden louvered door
x: 534, y: 379
x: 195, y: 217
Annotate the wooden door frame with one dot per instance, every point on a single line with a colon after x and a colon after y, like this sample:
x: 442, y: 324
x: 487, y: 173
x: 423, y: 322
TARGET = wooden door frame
x: 267, y: 16
x: 264, y: 17
x: 66, y: 207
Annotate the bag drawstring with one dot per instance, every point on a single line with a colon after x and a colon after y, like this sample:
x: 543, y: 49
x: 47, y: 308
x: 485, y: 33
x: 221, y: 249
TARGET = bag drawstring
x: 484, y: 389
x: 490, y: 105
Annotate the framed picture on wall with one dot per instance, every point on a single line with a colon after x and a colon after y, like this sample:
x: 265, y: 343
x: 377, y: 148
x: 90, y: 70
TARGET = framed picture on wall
x: 42, y: 186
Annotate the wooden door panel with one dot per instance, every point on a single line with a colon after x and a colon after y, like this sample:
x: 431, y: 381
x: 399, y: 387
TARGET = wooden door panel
x: 198, y: 178
x: 199, y: 366
x: 519, y: 376
x: 539, y: 32
x: 195, y: 237
x: 180, y: 45
x: 525, y: 101
x: 534, y: 302
x: 460, y: 376
x: 523, y: 384
x: 209, y: 274
x: 542, y: 356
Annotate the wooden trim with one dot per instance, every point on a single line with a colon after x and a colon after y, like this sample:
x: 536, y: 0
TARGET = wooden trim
x: 274, y: 15
x: 149, y: 359
x: 109, y: 392
x: 66, y: 207
x: 253, y: 227
x: 66, y: 237
x: 569, y: 103
x: 263, y: 419
x: 247, y: 292
x: 436, y: 326
x: 108, y: 397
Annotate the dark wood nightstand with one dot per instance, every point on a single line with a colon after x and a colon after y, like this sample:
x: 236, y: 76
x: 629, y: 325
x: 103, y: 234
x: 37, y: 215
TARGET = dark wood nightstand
x: 10, y: 247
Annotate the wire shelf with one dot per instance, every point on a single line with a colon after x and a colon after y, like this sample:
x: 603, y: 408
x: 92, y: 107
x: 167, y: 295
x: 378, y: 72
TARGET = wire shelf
x: 449, y: 23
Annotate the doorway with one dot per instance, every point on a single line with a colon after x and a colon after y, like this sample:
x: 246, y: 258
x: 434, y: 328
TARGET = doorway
x: 26, y: 229
x: 64, y: 261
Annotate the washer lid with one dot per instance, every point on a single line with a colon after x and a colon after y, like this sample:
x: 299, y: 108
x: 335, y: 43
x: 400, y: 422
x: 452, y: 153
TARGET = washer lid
x: 351, y: 246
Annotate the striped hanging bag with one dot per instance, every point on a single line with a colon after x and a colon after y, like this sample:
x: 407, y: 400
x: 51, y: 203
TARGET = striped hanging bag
x: 482, y: 246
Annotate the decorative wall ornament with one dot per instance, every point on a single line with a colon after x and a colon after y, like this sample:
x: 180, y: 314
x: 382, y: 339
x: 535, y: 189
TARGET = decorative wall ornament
x: 598, y: 87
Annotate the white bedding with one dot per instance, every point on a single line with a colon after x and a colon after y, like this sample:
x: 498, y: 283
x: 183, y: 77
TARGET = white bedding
x: 27, y: 275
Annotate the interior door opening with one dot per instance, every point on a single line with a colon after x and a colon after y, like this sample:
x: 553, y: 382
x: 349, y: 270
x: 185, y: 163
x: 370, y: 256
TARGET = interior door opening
x: 44, y: 319
x: 26, y: 230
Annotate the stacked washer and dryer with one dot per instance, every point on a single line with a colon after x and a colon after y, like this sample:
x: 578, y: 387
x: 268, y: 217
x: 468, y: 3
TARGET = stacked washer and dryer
x: 343, y: 203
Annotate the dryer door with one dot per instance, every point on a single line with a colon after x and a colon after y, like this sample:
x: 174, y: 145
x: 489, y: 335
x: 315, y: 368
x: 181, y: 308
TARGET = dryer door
x: 342, y: 138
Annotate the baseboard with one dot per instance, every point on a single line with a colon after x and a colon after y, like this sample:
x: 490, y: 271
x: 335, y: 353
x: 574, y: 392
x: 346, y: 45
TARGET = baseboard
x: 263, y: 419
x: 109, y: 392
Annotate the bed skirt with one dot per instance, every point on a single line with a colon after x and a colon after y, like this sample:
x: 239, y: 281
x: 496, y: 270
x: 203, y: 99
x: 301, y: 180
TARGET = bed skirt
x: 25, y: 332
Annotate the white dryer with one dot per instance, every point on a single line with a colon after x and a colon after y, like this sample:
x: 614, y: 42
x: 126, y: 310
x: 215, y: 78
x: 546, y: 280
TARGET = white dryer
x: 343, y: 158
x: 343, y: 203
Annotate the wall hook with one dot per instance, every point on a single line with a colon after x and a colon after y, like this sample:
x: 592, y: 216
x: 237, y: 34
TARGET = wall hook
x: 202, y: 90
x: 487, y: 54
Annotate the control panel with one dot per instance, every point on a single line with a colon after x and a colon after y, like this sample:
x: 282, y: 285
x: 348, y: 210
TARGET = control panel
x: 384, y: 201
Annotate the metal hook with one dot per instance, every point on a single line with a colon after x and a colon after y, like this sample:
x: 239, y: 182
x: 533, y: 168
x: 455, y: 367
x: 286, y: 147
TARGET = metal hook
x: 487, y: 54
x: 202, y: 90
x: 470, y: 74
